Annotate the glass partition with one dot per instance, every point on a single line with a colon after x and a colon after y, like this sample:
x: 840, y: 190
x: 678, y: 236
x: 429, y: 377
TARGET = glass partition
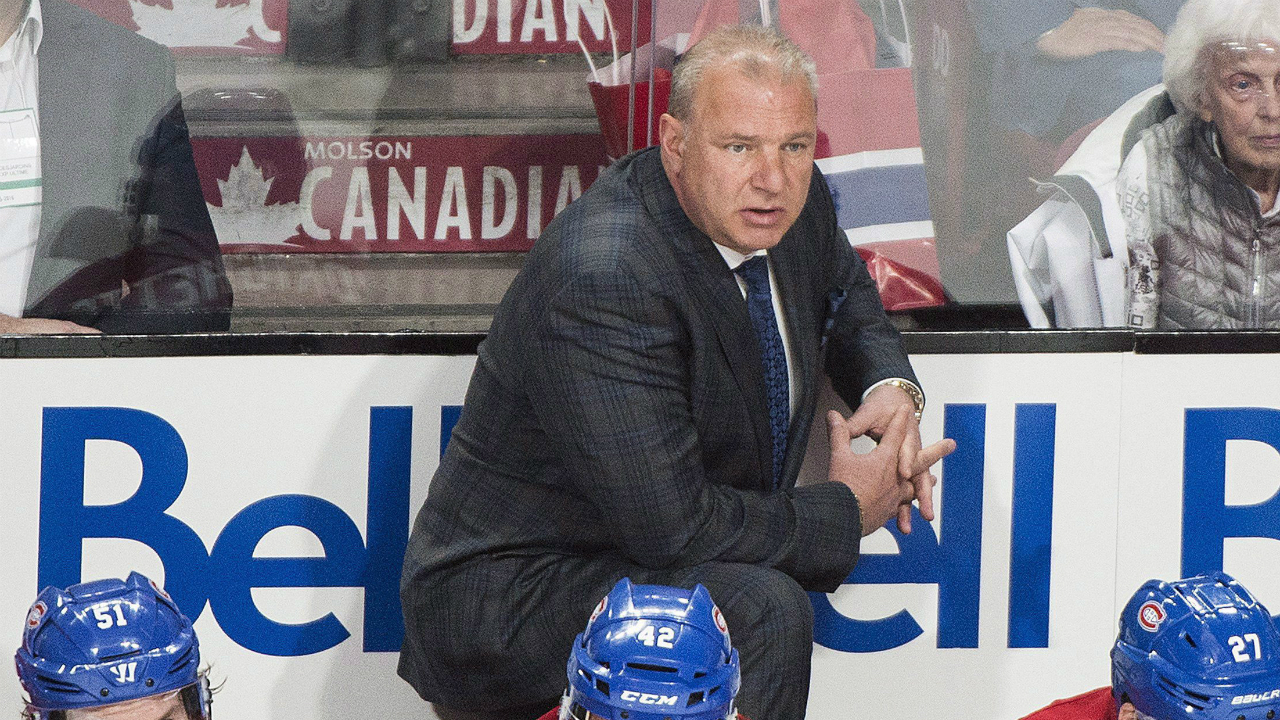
x: 385, y: 164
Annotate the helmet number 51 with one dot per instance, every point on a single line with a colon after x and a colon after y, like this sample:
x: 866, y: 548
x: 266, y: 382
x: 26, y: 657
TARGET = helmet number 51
x: 104, y: 616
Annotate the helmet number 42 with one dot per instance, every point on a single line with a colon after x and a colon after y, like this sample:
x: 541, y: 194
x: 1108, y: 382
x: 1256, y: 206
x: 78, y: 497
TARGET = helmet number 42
x: 103, y: 614
x: 660, y: 636
x: 1238, y: 645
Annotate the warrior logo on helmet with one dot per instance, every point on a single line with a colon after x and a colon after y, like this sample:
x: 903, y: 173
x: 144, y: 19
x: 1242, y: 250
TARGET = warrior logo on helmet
x: 1150, y: 615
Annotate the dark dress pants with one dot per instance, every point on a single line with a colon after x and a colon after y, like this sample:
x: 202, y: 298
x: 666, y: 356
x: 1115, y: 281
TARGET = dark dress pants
x: 523, y: 661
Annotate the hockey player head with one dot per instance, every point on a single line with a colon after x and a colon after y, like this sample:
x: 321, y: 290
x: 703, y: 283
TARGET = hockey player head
x: 1196, y: 649
x: 111, y: 650
x: 652, y: 652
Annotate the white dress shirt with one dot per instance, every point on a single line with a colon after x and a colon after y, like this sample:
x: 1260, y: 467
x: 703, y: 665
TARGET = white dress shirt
x: 19, y: 226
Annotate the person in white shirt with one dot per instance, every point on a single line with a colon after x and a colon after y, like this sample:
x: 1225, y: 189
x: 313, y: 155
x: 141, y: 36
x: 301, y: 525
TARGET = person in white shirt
x: 103, y: 226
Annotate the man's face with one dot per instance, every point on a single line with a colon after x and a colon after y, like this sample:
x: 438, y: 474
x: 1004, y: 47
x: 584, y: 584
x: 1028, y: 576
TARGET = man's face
x: 741, y: 162
x: 158, y: 707
x: 1243, y: 99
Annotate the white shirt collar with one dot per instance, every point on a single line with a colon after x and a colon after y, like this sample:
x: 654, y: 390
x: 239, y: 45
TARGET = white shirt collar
x: 30, y: 29
x: 733, y: 258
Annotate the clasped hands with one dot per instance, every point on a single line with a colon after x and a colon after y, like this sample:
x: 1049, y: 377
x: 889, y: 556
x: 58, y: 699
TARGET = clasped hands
x: 889, y: 478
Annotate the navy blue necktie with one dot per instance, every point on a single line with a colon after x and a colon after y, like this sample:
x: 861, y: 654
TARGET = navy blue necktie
x: 773, y: 356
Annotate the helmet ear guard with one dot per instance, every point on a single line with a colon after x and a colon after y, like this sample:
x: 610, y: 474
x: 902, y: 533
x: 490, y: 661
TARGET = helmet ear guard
x: 652, y: 652
x: 1202, y: 648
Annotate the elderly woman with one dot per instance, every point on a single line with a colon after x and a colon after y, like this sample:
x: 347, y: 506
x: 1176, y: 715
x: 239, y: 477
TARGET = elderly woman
x: 1198, y: 192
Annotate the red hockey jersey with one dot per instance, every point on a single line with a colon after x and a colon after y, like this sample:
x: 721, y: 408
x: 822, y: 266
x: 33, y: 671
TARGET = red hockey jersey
x: 1093, y: 705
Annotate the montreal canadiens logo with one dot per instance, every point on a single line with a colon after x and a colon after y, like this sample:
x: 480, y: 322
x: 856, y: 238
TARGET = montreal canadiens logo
x: 720, y: 623
x: 599, y: 609
x: 1150, y: 615
x: 160, y: 590
x: 37, y: 611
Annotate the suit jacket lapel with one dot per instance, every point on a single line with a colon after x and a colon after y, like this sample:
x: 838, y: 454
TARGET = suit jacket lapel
x: 717, y: 293
x: 727, y: 311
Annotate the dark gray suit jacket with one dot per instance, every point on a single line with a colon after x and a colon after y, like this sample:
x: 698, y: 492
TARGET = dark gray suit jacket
x: 616, y: 423
x: 122, y: 200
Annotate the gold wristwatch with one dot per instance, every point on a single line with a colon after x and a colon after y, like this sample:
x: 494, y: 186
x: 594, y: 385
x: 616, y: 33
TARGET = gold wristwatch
x: 917, y: 397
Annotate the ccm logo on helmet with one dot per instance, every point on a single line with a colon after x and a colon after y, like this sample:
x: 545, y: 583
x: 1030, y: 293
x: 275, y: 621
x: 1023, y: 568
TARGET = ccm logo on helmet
x: 648, y: 698
x: 1249, y: 699
x: 1150, y: 615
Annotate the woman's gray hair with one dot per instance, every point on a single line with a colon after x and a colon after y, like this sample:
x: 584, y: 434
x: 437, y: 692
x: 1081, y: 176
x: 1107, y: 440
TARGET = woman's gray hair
x: 754, y: 49
x: 1201, y: 24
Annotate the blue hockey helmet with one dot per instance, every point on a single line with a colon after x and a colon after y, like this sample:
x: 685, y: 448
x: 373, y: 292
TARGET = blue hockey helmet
x: 1197, y: 649
x: 652, y: 652
x: 106, y: 642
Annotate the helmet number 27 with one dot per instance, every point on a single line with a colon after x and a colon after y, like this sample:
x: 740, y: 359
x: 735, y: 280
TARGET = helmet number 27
x: 104, y: 616
x: 1238, y: 645
x: 661, y: 636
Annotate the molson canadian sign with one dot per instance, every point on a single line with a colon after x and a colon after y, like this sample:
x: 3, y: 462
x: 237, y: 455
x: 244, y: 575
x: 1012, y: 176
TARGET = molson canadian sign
x: 391, y: 194
x: 545, y: 26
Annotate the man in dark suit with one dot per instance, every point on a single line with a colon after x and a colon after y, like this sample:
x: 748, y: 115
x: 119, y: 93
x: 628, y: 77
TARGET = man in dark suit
x: 121, y: 239
x: 1061, y: 64
x: 638, y: 410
